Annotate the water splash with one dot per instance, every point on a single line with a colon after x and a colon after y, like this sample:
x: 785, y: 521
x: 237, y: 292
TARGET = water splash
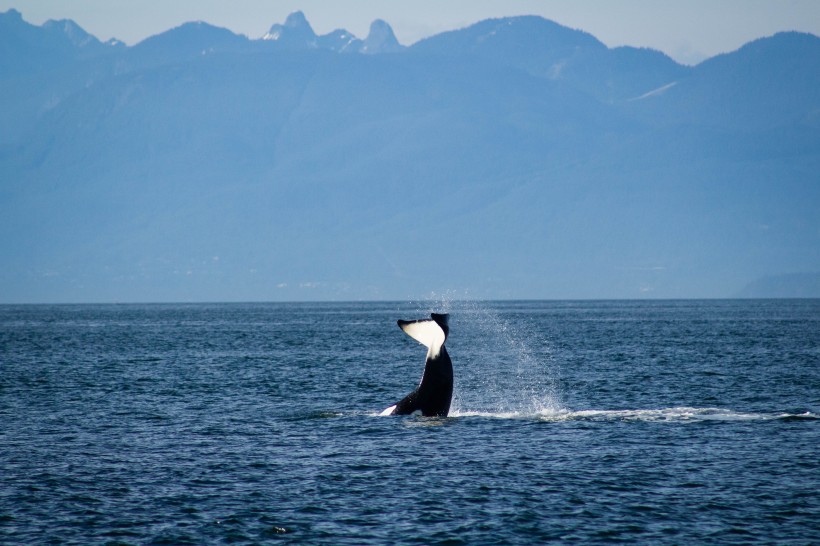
x: 497, y: 371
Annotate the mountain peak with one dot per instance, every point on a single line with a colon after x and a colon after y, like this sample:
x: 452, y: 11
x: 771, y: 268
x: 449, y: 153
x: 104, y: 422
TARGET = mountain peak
x: 296, y: 31
x: 339, y: 40
x: 381, y: 39
x: 12, y: 14
x: 193, y: 29
x: 298, y: 20
x: 188, y: 39
x: 524, y: 34
x: 71, y: 30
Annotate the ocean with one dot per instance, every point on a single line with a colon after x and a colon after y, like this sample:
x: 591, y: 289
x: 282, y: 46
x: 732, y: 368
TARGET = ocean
x: 586, y: 422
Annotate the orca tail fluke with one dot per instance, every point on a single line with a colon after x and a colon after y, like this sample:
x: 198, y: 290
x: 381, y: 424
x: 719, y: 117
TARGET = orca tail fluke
x: 432, y: 332
x: 433, y: 395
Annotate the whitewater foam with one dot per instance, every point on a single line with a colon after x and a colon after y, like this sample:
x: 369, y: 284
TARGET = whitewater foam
x: 675, y: 414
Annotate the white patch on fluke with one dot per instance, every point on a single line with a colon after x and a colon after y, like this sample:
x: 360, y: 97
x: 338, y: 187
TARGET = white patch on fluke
x: 388, y: 411
x: 428, y: 333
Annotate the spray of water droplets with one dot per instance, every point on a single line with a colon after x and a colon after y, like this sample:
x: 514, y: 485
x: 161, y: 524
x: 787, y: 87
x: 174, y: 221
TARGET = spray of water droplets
x: 502, y: 366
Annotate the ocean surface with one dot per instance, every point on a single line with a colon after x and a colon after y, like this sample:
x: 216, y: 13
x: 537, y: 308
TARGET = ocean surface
x: 647, y: 422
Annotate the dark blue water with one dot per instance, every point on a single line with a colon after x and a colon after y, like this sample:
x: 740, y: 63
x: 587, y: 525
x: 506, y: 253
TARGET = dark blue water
x: 594, y: 422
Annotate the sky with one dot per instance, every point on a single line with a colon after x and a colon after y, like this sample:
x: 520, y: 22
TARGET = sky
x: 686, y: 30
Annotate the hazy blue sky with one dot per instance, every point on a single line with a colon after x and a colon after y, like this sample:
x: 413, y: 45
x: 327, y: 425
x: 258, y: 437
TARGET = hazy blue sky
x: 686, y: 30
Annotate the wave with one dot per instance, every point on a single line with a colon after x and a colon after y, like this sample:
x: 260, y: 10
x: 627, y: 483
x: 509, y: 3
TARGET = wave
x: 678, y: 414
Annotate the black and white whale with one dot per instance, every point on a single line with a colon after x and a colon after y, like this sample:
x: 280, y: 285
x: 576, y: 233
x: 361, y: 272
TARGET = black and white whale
x: 435, y: 391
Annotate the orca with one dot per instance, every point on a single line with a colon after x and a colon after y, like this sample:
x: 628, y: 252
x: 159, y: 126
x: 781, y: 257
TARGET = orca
x: 435, y: 391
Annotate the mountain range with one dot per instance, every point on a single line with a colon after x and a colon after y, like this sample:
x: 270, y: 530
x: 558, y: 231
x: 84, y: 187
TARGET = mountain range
x: 514, y: 158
